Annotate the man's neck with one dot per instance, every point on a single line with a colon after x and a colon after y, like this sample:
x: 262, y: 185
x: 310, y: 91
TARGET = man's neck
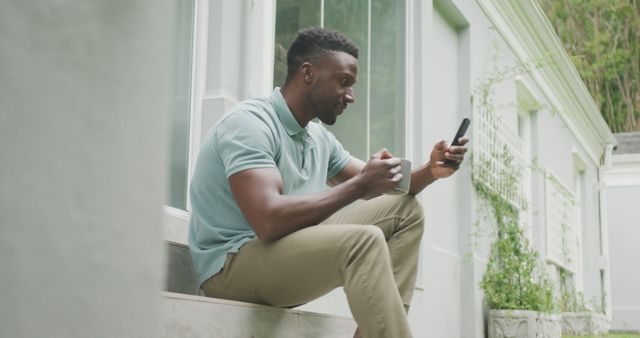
x: 298, y: 105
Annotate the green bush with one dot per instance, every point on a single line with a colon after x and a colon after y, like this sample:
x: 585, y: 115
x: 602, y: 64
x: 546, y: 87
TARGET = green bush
x: 514, y: 278
x: 570, y: 300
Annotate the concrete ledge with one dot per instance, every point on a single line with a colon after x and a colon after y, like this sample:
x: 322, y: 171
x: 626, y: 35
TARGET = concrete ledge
x: 195, y: 316
x: 626, y: 319
x: 181, y: 275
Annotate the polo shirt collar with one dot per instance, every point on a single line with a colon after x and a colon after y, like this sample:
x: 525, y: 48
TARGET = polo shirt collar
x: 284, y: 114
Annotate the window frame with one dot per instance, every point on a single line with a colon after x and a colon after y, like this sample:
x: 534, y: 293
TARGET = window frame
x: 176, y: 221
x: 260, y: 19
x: 406, y: 138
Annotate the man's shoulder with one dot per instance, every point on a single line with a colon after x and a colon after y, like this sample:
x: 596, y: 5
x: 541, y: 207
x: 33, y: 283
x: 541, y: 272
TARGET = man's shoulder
x: 247, y: 113
x: 256, y: 105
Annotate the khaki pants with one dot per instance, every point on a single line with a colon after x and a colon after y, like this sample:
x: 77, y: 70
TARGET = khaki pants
x: 370, y: 248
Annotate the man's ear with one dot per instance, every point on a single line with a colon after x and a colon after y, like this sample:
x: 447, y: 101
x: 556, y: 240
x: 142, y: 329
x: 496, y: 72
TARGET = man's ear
x: 307, y: 72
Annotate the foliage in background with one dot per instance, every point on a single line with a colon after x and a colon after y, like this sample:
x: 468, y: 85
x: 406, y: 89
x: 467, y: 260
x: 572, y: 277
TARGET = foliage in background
x: 602, y: 37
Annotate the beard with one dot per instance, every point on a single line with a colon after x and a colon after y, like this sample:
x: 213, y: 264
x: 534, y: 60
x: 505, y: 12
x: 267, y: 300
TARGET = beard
x: 325, y: 107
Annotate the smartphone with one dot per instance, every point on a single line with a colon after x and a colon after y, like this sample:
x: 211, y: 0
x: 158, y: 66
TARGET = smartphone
x: 461, y: 131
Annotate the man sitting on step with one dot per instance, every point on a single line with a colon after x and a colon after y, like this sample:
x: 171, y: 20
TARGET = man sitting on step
x: 264, y: 227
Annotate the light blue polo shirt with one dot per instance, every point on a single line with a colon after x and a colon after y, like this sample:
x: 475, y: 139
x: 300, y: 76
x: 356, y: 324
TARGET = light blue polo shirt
x: 257, y: 133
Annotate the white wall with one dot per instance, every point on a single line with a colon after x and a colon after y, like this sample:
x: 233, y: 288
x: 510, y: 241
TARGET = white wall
x: 622, y: 196
x: 442, y: 255
x: 83, y: 109
x: 556, y: 148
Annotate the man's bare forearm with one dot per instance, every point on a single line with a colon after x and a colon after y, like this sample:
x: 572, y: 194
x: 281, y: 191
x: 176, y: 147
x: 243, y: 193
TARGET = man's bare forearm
x: 285, y: 214
x: 273, y: 214
x: 421, y: 177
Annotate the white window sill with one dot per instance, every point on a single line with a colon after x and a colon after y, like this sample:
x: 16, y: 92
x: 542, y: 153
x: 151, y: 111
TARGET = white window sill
x: 176, y: 225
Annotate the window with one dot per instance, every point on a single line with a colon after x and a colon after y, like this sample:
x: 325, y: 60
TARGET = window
x: 180, y: 106
x: 377, y: 118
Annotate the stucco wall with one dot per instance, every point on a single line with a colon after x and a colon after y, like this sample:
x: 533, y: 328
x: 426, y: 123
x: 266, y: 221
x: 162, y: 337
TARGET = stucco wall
x: 622, y: 194
x: 83, y: 109
x: 624, y: 234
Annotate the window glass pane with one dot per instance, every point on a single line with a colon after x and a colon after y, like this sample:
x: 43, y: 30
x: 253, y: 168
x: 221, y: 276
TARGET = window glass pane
x: 291, y: 16
x: 180, y: 106
x: 351, y: 18
x: 387, y: 76
x: 381, y: 115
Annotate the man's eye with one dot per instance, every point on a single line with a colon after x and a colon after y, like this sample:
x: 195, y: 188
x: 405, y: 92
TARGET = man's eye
x: 344, y: 82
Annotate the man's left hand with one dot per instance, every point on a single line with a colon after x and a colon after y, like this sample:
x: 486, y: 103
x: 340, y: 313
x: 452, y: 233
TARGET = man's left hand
x: 446, y: 159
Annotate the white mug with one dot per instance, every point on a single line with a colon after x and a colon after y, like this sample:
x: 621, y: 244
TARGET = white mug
x: 402, y: 187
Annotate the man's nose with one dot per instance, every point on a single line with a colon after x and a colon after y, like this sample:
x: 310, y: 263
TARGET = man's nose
x: 350, y: 96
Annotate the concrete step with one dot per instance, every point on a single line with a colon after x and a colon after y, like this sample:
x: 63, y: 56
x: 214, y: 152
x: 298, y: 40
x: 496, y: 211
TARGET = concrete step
x: 186, y: 314
x: 195, y: 316
x: 181, y: 275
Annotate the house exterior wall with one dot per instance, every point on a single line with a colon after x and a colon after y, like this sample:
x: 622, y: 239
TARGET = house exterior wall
x: 623, y: 189
x: 450, y: 48
x: 84, y: 103
x: 556, y: 147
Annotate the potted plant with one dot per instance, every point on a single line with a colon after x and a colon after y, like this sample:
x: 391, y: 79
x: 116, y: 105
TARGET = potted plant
x: 578, y: 318
x: 519, y: 295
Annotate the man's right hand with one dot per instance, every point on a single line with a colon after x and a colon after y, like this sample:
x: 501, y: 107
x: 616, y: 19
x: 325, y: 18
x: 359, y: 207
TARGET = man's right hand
x: 379, y: 175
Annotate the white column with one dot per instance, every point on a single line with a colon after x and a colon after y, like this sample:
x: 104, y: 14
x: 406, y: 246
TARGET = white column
x: 604, y: 230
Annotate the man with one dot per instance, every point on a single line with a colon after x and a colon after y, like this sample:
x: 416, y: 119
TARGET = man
x: 265, y: 230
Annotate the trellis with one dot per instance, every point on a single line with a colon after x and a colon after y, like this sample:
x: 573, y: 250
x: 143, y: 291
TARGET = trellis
x: 498, y: 157
x: 561, y: 218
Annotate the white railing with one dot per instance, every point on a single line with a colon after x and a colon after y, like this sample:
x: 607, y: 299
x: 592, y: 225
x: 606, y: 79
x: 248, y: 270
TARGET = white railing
x: 498, y: 157
x: 562, y: 248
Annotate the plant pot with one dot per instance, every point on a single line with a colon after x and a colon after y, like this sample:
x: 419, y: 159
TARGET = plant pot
x: 523, y: 324
x: 549, y: 325
x: 584, y: 323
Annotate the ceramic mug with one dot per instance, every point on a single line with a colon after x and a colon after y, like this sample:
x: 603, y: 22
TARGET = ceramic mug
x: 402, y: 187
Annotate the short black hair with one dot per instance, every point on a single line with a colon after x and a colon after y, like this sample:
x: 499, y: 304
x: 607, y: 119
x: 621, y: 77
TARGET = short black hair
x: 313, y: 43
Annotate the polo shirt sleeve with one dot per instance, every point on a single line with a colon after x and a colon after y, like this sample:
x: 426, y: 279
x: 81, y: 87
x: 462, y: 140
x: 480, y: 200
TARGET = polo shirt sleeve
x: 244, y: 141
x: 338, y: 156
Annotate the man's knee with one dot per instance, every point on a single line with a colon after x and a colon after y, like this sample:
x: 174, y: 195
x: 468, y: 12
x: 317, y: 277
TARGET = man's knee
x: 369, y: 233
x: 410, y: 209
x: 366, y: 238
x: 366, y: 244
